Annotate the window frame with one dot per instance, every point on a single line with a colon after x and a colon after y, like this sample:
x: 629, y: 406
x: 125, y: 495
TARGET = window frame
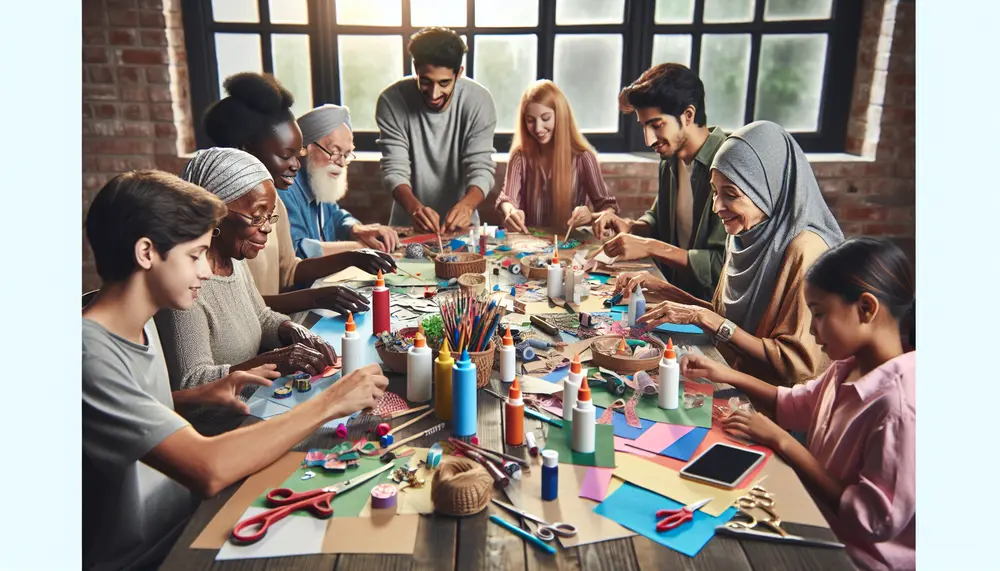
x: 637, y: 30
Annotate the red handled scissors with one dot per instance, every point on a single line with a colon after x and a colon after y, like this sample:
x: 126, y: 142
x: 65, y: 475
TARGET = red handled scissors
x: 286, y: 501
x: 674, y: 518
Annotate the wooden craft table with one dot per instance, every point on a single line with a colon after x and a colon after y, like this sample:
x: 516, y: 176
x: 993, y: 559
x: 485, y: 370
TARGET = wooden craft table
x: 463, y: 544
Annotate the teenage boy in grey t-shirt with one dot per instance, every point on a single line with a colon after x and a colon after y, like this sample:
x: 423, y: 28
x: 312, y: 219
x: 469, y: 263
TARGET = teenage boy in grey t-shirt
x: 436, y: 137
x: 144, y: 465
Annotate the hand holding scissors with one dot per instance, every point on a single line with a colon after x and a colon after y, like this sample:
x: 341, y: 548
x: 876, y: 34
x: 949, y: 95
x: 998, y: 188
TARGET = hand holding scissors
x: 674, y: 518
x: 286, y: 501
x: 546, y: 531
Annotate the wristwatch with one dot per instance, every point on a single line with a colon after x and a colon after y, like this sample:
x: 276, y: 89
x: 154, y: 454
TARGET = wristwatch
x: 725, y: 332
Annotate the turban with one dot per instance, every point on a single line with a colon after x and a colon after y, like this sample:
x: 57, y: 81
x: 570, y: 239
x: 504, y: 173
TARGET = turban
x: 226, y: 173
x: 322, y: 121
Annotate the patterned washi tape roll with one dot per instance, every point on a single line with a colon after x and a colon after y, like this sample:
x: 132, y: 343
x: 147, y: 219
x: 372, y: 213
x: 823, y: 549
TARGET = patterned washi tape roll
x: 303, y: 385
x: 301, y: 375
x: 282, y: 392
x: 383, y: 496
x: 434, y: 454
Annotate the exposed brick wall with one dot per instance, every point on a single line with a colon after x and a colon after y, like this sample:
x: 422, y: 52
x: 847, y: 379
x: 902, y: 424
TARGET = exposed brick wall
x: 136, y: 114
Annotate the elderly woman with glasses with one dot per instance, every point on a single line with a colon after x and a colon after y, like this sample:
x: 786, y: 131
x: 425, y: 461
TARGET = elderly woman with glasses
x: 230, y: 328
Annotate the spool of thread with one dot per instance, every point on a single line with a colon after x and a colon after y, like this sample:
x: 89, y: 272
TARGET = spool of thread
x: 414, y: 251
x: 442, y: 382
x: 341, y: 430
x: 384, y: 496
x: 525, y: 352
x: 532, y: 445
x: 463, y: 398
x: 386, y: 440
x: 550, y: 475
x: 434, y: 455
x: 283, y: 392
x: 382, y: 429
x: 302, y: 385
x: 380, y: 301
x: 461, y: 487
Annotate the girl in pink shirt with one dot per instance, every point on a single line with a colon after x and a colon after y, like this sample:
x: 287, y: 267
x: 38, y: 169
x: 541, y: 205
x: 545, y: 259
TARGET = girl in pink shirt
x: 859, y: 416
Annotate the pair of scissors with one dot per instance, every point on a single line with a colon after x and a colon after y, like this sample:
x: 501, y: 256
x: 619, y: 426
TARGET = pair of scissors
x: 744, y: 523
x: 546, y: 531
x: 758, y: 497
x: 674, y: 518
x: 287, y: 501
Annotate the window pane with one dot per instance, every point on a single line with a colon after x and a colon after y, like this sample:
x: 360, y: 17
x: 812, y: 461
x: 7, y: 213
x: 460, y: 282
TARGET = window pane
x: 570, y: 12
x: 506, y: 65
x: 668, y: 48
x: 448, y: 13
x: 506, y: 14
x: 790, y: 80
x: 288, y: 11
x: 728, y: 11
x: 291, y: 67
x: 235, y: 11
x: 797, y: 9
x: 725, y: 66
x: 368, y: 64
x: 588, y: 68
x: 370, y: 13
x: 674, y: 12
x: 235, y: 53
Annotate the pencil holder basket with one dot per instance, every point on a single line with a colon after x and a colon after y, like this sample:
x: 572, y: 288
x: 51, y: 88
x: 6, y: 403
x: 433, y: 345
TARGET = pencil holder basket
x: 532, y: 272
x: 395, y: 360
x: 484, y: 365
x: 473, y: 284
x: 605, y: 347
x: 449, y: 266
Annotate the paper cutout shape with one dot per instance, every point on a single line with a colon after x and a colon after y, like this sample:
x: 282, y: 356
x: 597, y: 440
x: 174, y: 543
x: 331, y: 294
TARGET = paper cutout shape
x: 686, y: 445
x: 646, y: 473
x: 595, y: 483
x: 558, y: 439
x: 622, y: 428
x: 659, y: 437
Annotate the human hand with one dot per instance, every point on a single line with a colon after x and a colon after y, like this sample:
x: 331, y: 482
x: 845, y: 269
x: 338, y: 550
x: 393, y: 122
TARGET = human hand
x: 294, y: 358
x: 292, y: 333
x: 358, y: 390
x: 338, y: 298
x: 226, y: 391
x: 459, y: 217
x: 515, y: 221
x: 627, y: 281
x: 581, y: 216
x: 701, y: 367
x: 755, y: 426
x: 377, y: 236
x: 628, y: 247
x: 608, y: 220
x: 426, y: 219
x: 671, y: 312
x: 371, y: 261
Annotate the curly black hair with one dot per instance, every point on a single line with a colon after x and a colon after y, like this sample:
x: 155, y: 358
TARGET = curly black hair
x: 671, y: 87
x: 256, y: 104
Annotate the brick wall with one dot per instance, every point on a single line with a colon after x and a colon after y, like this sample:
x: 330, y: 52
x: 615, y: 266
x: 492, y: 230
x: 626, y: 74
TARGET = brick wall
x: 136, y: 114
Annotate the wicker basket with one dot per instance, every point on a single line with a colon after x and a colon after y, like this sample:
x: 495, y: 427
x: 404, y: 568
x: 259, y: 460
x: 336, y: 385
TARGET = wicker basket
x: 473, y: 284
x: 605, y: 347
x: 466, y: 263
x: 394, y: 360
x: 484, y: 365
x: 532, y: 273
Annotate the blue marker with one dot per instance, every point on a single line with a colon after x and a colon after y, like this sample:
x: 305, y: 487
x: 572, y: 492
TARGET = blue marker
x: 463, y: 396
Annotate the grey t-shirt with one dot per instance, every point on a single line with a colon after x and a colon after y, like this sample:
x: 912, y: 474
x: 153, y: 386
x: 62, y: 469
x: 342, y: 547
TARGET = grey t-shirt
x: 132, y: 514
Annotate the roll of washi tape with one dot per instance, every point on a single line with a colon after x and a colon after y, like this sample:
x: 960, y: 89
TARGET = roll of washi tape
x: 282, y: 392
x: 303, y: 385
x: 384, y: 496
x: 434, y: 455
x: 341, y: 430
x: 515, y: 269
x: 301, y: 375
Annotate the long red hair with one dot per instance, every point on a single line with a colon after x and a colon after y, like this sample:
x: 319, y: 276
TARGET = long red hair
x: 567, y: 142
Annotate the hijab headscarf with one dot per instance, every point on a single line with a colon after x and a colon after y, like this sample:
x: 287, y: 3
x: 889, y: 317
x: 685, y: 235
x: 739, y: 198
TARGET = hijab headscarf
x: 226, y: 173
x: 766, y: 163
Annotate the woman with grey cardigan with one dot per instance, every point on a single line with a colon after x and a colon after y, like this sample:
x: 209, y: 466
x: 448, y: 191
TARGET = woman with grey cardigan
x: 230, y: 328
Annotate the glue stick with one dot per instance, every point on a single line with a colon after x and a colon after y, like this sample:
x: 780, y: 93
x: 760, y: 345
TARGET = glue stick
x: 352, y: 347
x: 463, y: 396
x: 584, y: 421
x: 442, y: 382
x: 571, y: 385
x: 670, y: 378
x: 418, y: 370
x: 514, y: 416
x: 507, y: 361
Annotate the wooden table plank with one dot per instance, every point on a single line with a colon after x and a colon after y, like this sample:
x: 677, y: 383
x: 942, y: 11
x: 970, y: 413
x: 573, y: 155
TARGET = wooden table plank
x: 719, y: 553
x: 615, y: 555
x: 766, y: 555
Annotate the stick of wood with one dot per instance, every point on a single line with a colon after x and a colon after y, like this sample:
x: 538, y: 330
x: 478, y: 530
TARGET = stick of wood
x: 440, y: 244
x: 407, y: 273
x: 411, y: 421
x: 407, y: 412
x: 388, y: 455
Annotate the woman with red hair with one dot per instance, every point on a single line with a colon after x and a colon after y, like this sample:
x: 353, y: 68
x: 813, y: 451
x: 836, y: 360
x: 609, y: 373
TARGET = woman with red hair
x: 551, y: 167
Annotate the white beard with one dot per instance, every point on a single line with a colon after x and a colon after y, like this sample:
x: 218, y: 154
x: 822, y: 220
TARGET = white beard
x: 329, y: 183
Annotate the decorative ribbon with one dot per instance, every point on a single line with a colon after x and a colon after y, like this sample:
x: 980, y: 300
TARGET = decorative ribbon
x: 609, y: 412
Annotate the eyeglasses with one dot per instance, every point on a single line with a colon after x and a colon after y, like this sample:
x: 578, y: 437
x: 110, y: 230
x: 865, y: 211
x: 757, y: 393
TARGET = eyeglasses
x: 347, y: 157
x: 258, y: 221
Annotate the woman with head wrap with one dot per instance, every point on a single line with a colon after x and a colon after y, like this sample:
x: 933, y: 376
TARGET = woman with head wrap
x: 230, y: 325
x: 778, y: 224
x: 256, y: 117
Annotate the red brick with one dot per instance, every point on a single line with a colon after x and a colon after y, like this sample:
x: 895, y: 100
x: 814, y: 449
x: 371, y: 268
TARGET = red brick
x: 123, y: 164
x: 93, y: 13
x: 864, y: 213
x: 99, y: 93
x: 105, y: 110
x: 151, y: 19
x: 166, y: 147
x: 123, y: 18
x: 162, y: 112
x: 87, y: 111
x: 153, y: 4
x: 165, y: 130
x: 142, y: 56
x: 887, y: 229
x: 153, y: 38
x: 158, y: 74
x: 118, y: 4
x: 99, y: 74
x: 95, y: 55
x: 117, y: 146
x: 103, y: 128
x: 93, y: 182
x: 159, y: 93
x: 90, y: 163
x: 138, y: 130
x: 129, y: 75
x: 134, y: 112
x: 134, y: 93
x: 904, y: 168
x: 122, y: 37
x: 94, y: 37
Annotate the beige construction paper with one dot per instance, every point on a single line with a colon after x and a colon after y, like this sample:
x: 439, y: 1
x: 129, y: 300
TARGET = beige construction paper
x: 535, y: 386
x: 668, y: 482
x: 349, y: 274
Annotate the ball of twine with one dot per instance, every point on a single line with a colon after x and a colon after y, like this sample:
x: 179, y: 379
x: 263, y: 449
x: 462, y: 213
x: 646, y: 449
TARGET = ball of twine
x: 461, y: 487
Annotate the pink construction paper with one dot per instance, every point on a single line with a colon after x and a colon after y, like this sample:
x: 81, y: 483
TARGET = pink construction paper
x: 595, y: 483
x: 623, y: 445
x: 554, y: 410
x: 660, y: 436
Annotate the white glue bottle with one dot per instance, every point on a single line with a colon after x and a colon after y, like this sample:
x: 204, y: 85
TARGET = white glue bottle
x: 670, y: 378
x: 636, y: 305
x: 419, y: 370
x: 352, y: 347
x: 507, y: 358
x: 571, y: 385
x: 584, y: 421
x: 554, y: 276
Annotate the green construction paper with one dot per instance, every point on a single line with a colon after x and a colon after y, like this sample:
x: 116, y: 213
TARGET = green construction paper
x: 424, y: 267
x: 558, y: 439
x: 352, y: 501
x: 647, y: 408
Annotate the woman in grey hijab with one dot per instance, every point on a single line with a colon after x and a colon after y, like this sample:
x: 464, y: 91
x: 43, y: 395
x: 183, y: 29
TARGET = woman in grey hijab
x: 230, y: 328
x: 778, y: 224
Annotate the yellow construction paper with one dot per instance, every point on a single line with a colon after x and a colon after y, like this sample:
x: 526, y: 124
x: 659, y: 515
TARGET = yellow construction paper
x: 668, y: 482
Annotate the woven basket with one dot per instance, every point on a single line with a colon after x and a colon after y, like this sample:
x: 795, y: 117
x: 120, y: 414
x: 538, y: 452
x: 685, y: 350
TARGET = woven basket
x: 467, y: 263
x: 605, y: 347
x: 473, y: 284
x: 532, y: 273
x: 394, y: 360
x: 484, y: 365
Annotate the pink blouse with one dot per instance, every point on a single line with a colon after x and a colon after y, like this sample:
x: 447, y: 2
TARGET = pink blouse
x: 587, y: 188
x: 864, y: 434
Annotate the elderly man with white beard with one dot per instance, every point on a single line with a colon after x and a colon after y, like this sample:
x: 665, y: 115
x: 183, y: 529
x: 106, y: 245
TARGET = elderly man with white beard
x: 317, y: 222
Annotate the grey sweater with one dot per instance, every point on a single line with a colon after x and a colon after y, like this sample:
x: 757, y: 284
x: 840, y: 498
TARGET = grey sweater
x: 228, y: 324
x: 439, y: 154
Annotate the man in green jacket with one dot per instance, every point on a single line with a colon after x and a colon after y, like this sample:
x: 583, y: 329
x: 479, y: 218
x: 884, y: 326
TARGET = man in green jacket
x: 679, y: 231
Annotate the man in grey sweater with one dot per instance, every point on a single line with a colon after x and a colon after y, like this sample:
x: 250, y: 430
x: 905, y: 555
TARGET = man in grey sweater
x: 436, y: 137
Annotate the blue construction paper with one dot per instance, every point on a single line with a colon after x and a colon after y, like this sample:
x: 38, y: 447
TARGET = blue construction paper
x: 664, y: 327
x: 635, y: 508
x: 455, y: 244
x: 599, y: 278
x: 556, y: 376
x: 685, y: 446
x: 622, y: 428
